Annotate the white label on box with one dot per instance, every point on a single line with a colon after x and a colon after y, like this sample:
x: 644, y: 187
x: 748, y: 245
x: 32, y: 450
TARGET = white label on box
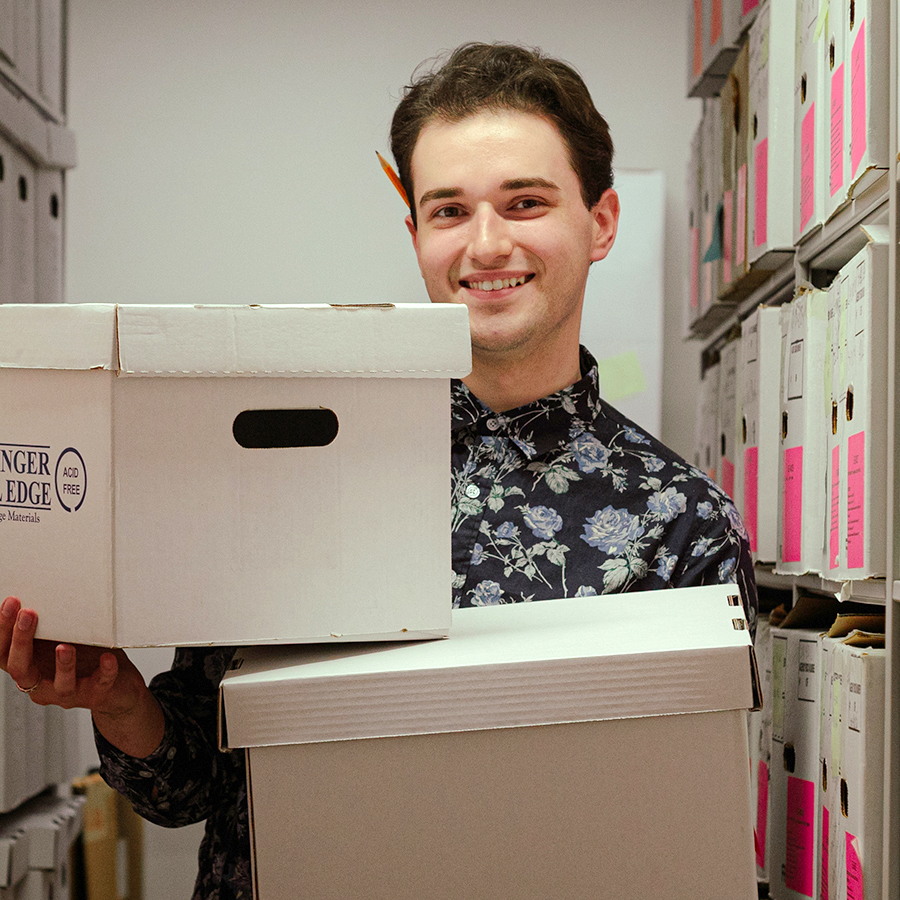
x: 779, y: 652
x: 795, y: 371
x: 854, y: 694
x: 806, y: 677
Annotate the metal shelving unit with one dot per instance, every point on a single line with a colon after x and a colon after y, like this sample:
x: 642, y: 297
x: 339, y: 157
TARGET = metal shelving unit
x: 816, y: 259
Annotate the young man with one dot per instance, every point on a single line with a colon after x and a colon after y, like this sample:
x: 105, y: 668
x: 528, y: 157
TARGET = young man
x: 508, y: 167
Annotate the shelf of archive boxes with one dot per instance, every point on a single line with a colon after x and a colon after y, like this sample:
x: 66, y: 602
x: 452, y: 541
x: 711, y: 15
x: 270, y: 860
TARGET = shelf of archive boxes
x: 815, y: 261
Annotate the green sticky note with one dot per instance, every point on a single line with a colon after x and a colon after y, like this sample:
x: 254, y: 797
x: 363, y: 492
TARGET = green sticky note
x: 621, y: 376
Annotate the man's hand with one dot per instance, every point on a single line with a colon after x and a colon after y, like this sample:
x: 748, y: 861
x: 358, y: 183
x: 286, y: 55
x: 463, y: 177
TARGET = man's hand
x: 74, y: 675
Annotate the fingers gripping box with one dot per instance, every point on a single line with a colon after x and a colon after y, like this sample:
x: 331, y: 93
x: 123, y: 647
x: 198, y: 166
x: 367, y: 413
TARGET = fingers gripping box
x: 175, y: 475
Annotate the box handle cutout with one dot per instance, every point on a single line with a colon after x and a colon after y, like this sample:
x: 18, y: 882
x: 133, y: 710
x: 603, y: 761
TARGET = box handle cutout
x: 831, y: 55
x: 734, y: 600
x: 23, y: 188
x: 845, y: 800
x: 790, y: 758
x: 739, y: 624
x: 803, y: 89
x: 282, y: 428
x: 852, y: 14
x: 784, y: 426
x: 834, y: 417
x: 824, y: 775
x: 850, y: 403
x: 744, y: 429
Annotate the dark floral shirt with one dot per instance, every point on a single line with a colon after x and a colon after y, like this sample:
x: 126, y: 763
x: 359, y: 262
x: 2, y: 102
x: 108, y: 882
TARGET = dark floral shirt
x: 562, y: 497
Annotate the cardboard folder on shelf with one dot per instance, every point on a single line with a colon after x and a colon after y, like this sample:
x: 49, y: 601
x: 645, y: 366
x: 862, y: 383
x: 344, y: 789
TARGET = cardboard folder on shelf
x: 810, y: 154
x: 405, y: 752
x: 866, y: 34
x: 771, y: 136
x: 801, y: 474
x: 835, y: 102
x: 863, y: 415
x: 758, y: 428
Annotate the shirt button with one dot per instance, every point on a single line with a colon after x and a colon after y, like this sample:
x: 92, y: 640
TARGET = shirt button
x: 472, y: 491
x: 492, y: 424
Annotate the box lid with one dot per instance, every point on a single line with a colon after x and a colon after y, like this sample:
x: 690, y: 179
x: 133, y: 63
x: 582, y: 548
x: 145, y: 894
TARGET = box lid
x: 418, y: 340
x: 574, y: 660
x: 58, y: 336
x: 410, y: 340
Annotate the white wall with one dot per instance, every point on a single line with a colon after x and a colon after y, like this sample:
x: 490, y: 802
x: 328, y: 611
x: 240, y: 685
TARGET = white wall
x: 227, y: 150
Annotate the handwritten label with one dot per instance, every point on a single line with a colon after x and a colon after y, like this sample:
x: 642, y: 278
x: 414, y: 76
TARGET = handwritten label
x: 728, y: 476
x: 834, y: 542
x: 808, y: 167
x: 800, y: 850
x: 854, y: 870
x: 727, y: 232
x: 792, y: 510
x: 761, y: 195
x: 837, y: 130
x: 751, y: 493
x: 715, y: 23
x: 858, y: 99
x: 698, y: 37
x: 741, y: 227
x: 695, y: 268
x: 762, y: 811
x: 856, y: 500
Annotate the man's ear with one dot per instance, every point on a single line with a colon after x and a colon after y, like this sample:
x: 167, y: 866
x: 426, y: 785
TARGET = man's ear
x: 606, y: 223
x: 412, y: 233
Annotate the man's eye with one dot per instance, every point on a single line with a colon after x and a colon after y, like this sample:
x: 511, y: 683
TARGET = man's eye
x: 448, y: 212
x: 528, y: 203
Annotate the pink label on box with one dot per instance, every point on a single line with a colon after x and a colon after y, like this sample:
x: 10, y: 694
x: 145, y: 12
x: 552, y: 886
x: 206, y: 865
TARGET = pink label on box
x: 695, y: 268
x: 727, y: 222
x: 837, y: 130
x: 741, y: 215
x: 799, y: 849
x: 761, y: 194
x: 834, y: 540
x: 856, y: 500
x: 854, y: 870
x: 762, y: 812
x: 751, y: 476
x: 808, y: 166
x: 792, y: 508
x: 728, y: 476
x: 747, y: 6
x: 823, y: 867
x: 698, y: 37
x: 858, y: 99
x: 715, y: 22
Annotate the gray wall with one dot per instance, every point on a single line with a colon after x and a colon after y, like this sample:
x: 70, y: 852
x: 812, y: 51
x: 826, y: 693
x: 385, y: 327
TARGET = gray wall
x: 227, y: 150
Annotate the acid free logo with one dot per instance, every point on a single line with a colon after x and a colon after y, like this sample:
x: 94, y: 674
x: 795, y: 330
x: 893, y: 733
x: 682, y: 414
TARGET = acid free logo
x: 71, y: 479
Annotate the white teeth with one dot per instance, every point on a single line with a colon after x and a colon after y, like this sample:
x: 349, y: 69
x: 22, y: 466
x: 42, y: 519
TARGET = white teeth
x: 497, y: 285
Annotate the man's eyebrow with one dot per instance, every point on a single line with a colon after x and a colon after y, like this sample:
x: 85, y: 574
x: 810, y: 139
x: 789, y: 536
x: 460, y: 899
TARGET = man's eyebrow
x: 439, y: 194
x: 517, y: 184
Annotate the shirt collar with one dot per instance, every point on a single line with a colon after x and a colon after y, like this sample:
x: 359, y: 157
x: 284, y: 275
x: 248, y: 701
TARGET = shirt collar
x: 535, y: 428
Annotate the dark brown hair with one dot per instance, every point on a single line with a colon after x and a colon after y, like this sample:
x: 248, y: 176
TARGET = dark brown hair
x: 477, y: 77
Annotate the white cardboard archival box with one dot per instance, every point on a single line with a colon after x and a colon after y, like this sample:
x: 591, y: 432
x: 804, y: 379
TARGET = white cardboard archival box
x: 588, y: 747
x: 228, y: 474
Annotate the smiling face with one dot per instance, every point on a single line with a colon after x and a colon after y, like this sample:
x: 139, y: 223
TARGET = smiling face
x: 502, y: 228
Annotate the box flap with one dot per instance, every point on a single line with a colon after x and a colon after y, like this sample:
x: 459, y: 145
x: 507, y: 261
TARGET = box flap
x: 58, y: 336
x: 407, y: 340
x: 574, y: 660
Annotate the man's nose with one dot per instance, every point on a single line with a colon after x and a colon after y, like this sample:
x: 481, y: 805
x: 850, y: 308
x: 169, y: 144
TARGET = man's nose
x: 491, y: 240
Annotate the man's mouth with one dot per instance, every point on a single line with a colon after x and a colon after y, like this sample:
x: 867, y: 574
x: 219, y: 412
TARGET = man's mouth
x: 497, y: 284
